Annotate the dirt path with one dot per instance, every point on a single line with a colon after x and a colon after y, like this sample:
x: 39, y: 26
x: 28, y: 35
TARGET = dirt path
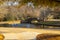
x: 24, y: 33
x: 17, y: 30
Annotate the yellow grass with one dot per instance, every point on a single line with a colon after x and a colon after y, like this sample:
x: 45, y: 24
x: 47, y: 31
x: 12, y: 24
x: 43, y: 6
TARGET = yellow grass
x: 11, y: 22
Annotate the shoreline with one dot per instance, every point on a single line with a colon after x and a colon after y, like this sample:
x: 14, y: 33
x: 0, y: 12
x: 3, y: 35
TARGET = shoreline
x: 11, y: 22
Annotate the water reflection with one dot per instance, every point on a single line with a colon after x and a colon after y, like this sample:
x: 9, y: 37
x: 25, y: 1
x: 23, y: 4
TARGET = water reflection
x: 25, y: 25
x: 17, y: 25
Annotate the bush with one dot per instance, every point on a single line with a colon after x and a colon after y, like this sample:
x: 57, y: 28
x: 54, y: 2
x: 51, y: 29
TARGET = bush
x: 2, y: 37
x: 48, y: 37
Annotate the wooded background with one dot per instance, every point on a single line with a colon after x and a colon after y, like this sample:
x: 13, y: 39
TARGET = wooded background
x: 11, y: 10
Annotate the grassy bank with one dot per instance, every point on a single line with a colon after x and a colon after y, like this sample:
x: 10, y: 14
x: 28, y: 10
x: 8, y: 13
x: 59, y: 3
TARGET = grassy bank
x: 49, y: 23
x: 11, y: 22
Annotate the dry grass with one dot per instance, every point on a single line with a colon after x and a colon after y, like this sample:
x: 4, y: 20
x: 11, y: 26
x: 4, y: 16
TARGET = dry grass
x: 48, y: 36
x: 11, y: 22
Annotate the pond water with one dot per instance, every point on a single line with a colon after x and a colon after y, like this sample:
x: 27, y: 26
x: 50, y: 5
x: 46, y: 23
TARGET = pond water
x: 23, y: 25
x: 17, y: 25
x: 26, y: 25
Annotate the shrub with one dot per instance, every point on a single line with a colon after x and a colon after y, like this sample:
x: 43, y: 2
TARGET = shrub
x: 48, y: 37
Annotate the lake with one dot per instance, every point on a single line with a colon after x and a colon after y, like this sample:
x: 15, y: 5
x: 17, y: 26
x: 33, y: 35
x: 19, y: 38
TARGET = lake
x: 27, y: 25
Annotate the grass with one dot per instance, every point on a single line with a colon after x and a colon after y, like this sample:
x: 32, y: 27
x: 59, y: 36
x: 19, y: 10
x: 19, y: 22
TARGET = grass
x: 50, y: 23
x: 11, y: 22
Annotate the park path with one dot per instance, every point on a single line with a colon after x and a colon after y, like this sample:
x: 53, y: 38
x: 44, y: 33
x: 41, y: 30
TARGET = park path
x: 24, y: 33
